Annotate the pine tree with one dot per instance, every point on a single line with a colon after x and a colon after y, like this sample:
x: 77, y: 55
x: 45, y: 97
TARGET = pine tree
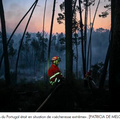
x: 49, y: 46
x: 68, y: 35
x: 4, y: 40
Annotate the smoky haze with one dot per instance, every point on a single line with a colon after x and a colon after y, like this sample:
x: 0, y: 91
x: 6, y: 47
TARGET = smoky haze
x: 31, y: 64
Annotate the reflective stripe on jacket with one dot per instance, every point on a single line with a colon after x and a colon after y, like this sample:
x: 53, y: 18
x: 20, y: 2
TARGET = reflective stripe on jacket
x: 54, y: 74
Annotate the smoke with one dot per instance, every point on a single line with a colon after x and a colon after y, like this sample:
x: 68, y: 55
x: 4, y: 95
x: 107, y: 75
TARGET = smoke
x: 100, y: 42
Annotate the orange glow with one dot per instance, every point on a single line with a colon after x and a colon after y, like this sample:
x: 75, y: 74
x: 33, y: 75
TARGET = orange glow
x: 36, y: 26
x: 36, y: 23
x: 14, y: 11
x: 102, y: 23
x: 99, y: 23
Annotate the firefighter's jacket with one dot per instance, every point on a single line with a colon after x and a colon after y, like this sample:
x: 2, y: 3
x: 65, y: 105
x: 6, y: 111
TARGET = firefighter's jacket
x: 54, y: 74
x: 87, y: 75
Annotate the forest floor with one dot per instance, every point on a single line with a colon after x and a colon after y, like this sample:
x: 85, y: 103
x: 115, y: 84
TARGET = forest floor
x: 27, y: 97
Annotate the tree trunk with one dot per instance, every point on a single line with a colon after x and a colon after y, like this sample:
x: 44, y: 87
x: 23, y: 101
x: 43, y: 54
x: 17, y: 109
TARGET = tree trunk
x: 22, y: 41
x: 81, y: 26
x: 76, y: 56
x: 89, y: 44
x: 74, y: 8
x: 4, y: 40
x: 114, y: 68
x: 15, y: 30
x: 68, y: 34
x: 103, y: 76
x: 69, y: 55
x: 75, y: 40
x: 48, y: 60
x: 85, y: 33
x: 35, y: 65
x: 43, y: 36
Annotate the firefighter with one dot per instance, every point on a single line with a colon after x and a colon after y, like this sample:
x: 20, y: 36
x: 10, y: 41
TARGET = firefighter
x: 54, y: 73
x: 90, y: 80
x: 87, y: 78
x: 88, y: 75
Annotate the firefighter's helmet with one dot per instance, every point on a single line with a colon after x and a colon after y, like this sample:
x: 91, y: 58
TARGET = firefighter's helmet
x: 56, y: 58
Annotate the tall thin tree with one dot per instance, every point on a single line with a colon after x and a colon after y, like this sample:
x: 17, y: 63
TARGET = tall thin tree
x: 44, y: 33
x: 85, y: 32
x: 15, y: 31
x: 74, y: 13
x: 76, y: 54
x: 104, y: 72
x: 22, y: 40
x: 89, y: 44
x: 48, y: 60
x: 68, y: 35
x: 73, y: 10
x: 69, y: 53
x: 82, y: 39
x: 4, y: 40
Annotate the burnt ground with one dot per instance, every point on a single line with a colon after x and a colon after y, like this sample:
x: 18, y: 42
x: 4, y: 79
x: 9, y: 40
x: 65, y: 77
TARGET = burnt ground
x: 27, y: 97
